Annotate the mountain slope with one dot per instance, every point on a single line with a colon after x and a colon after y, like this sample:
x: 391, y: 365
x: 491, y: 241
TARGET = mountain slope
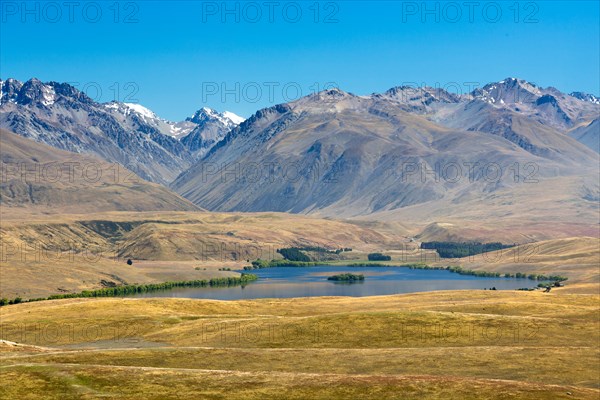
x: 588, y: 134
x: 38, y: 177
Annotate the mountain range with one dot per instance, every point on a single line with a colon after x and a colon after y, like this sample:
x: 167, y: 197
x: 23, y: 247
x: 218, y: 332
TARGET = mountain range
x: 61, y: 116
x: 408, y: 153
x: 338, y: 154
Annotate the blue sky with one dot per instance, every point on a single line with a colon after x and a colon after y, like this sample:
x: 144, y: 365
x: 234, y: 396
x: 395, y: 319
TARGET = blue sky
x: 176, y: 57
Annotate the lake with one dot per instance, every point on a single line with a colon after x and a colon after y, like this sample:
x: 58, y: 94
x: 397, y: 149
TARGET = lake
x: 284, y: 282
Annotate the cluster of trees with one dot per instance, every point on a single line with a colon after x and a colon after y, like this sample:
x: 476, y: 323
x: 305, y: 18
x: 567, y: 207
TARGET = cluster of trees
x: 318, y: 249
x: 378, y: 257
x: 259, y: 264
x: 370, y: 264
x: 463, y: 249
x: 296, y: 253
x: 150, y: 287
x: 537, y: 277
x: 462, y: 271
x: 347, y: 277
x: 293, y: 254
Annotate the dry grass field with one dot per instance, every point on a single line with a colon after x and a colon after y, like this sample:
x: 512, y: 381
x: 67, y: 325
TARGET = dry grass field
x: 437, y: 345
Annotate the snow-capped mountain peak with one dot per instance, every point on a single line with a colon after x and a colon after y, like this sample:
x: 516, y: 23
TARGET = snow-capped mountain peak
x: 211, y: 127
x: 205, y: 114
x: 128, y: 108
x: 147, y: 117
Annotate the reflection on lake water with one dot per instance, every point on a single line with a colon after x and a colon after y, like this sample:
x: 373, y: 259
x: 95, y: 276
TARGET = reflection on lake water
x: 312, y: 281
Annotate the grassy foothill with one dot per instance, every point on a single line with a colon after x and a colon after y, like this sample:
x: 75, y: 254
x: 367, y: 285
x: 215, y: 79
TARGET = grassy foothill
x: 434, y: 345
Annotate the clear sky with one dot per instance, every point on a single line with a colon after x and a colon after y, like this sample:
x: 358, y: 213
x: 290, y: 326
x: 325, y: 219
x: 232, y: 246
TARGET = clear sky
x: 175, y: 57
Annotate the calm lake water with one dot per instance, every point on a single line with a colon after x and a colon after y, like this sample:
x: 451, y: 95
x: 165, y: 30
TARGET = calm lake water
x: 312, y: 281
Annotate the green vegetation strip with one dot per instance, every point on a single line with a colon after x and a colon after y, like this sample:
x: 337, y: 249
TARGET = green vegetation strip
x: 145, y: 288
x: 462, y: 271
x: 260, y: 264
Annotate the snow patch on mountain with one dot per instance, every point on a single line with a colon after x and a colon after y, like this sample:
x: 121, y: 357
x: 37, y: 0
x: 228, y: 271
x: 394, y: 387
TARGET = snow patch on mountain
x: 141, y: 110
x: 233, y: 117
x: 48, y: 95
x: 127, y: 108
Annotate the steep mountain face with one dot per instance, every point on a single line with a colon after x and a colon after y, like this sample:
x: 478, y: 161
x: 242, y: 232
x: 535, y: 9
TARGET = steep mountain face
x: 59, y: 115
x: 35, y: 176
x: 211, y: 127
x: 338, y: 154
